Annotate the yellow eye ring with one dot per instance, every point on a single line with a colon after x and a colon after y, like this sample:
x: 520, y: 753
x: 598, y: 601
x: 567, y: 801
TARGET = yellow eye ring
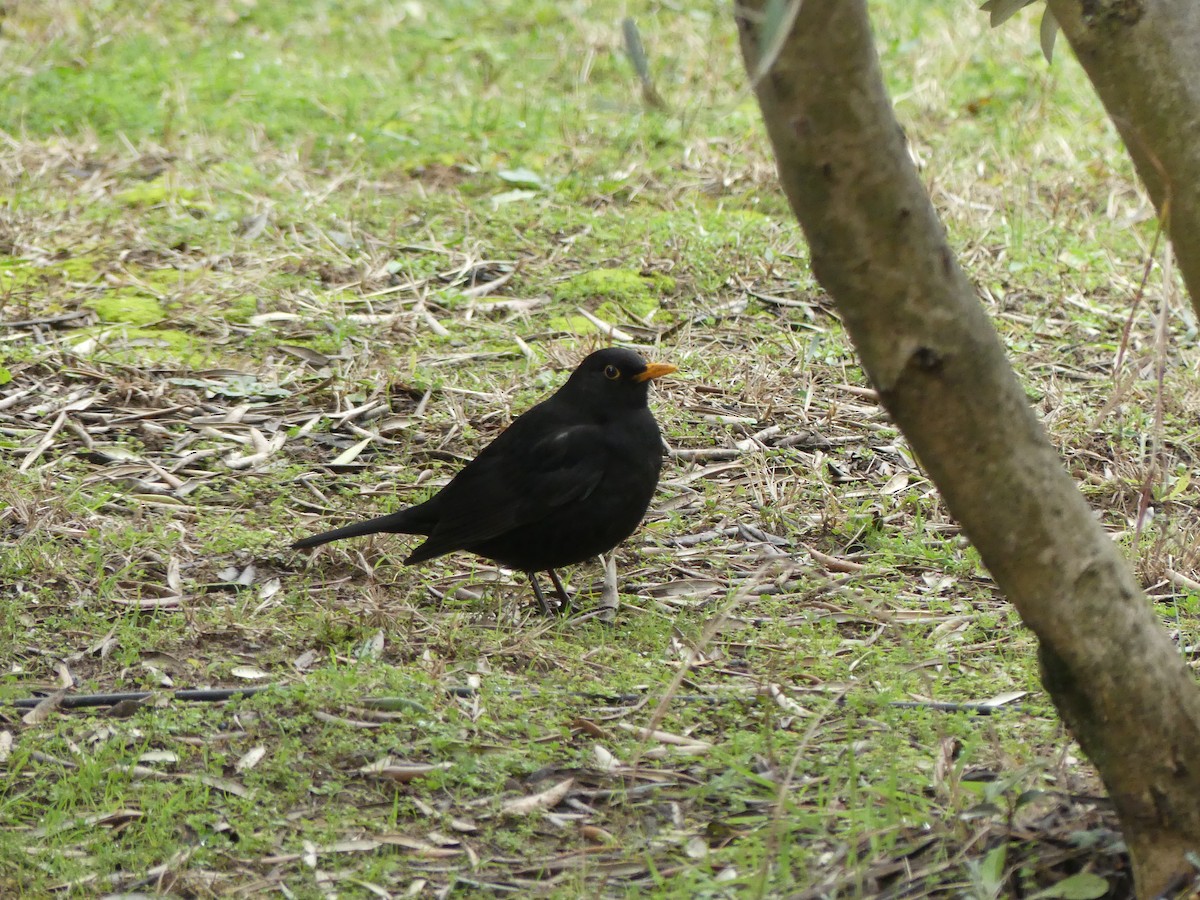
x: 612, y: 373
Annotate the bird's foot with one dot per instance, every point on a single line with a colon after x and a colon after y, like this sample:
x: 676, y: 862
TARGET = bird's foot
x: 563, y: 597
x: 544, y: 605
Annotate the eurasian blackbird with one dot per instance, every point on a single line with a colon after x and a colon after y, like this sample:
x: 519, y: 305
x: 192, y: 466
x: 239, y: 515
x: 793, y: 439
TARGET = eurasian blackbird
x: 569, y: 479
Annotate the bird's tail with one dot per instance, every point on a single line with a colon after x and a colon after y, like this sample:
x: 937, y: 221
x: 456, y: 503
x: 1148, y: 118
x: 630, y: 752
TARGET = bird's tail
x: 403, y: 522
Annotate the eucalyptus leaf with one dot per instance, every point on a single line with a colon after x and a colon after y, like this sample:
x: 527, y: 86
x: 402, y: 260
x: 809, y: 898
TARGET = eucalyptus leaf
x: 512, y: 197
x: 634, y: 48
x: 1047, y: 33
x: 522, y: 176
x: 778, y: 19
x: 1000, y: 11
x: 1080, y: 886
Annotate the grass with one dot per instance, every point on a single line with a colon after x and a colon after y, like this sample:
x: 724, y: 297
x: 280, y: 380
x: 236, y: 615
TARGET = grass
x: 267, y: 266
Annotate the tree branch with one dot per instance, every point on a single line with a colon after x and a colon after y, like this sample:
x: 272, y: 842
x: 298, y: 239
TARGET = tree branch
x: 940, y: 370
x: 1143, y: 59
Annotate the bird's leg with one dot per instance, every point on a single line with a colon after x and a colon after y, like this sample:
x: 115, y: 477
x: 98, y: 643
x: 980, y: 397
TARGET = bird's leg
x: 537, y: 593
x: 562, y: 593
x: 609, y: 597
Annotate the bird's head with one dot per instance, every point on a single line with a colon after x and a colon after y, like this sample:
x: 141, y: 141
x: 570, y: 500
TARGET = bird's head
x: 615, y: 377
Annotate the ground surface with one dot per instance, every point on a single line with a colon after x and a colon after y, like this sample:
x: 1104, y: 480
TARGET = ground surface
x: 265, y: 266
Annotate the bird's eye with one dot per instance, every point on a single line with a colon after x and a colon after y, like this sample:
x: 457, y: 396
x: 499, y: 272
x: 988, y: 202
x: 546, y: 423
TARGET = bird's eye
x: 612, y: 373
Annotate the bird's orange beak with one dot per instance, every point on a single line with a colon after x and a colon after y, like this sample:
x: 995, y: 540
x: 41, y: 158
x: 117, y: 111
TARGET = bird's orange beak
x: 654, y: 370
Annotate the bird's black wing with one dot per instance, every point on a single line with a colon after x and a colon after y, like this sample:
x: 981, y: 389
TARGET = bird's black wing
x: 516, y: 481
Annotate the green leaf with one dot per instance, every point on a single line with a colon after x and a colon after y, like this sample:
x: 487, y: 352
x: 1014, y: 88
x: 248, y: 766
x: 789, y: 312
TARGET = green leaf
x: 5, y: 375
x: 633, y: 47
x: 236, y: 386
x: 1080, y: 886
x: 522, y: 176
x: 1000, y: 11
x: 991, y: 870
x: 1049, y: 31
x: 778, y: 19
x: 512, y: 197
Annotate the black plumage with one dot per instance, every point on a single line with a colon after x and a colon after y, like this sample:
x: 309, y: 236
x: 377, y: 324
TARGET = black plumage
x: 569, y: 479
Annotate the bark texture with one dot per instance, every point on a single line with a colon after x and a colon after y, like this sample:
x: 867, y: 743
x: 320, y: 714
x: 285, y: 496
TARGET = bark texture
x: 878, y: 248
x: 1143, y: 59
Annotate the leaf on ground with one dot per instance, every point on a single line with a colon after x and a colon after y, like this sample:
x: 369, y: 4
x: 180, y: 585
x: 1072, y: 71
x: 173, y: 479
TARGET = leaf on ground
x: 250, y: 759
x: 596, y: 835
x: 666, y: 737
x: 111, y: 819
x: 401, y: 772
x: 307, y: 354
x: 158, y: 756
x: 372, y: 647
x: 350, y: 454
x: 249, y: 673
x: 531, y: 803
x: 1080, y: 886
x: 358, y: 846
x: 517, y: 196
x: 605, y: 761
x: 1001, y: 699
x: 521, y: 176
x: 269, y: 589
x: 41, y: 713
x: 224, y: 785
x: 420, y: 847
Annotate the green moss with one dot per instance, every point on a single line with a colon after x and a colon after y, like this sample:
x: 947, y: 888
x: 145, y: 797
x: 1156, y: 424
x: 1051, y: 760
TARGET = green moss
x: 83, y: 267
x: 159, y: 191
x: 14, y: 273
x: 632, y: 290
x: 167, y: 278
x: 170, y: 339
x: 573, y: 325
x: 127, y: 306
x: 240, y: 309
x: 623, y: 293
x: 18, y: 272
x: 122, y: 343
x: 640, y: 307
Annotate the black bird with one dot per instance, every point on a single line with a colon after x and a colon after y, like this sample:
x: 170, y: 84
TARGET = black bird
x: 566, y: 481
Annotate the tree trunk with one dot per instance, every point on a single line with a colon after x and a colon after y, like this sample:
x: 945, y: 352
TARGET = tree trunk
x: 928, y: 347
x: 1143, y: 59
